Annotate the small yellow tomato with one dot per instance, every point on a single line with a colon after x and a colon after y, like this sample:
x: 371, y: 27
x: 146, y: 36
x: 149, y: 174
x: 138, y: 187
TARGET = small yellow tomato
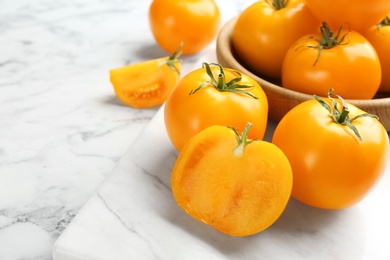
x: 213, y: 95
x: 194, y: 23
x: 343, y: 60
x: 338, y: 152
x: 265, y: 30
x: 379, y: 37
x: 359, y: 14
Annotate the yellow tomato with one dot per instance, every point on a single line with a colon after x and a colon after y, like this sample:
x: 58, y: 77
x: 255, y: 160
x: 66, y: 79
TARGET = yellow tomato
x: 213, y: 95
x: 147, y: 83
x: 337, y: 152
x: 344, y: 61
x: 379, y: 37
x: 264, y: 32
x: 359, y: 14
x: 194, y: 23
x: 238, y: 186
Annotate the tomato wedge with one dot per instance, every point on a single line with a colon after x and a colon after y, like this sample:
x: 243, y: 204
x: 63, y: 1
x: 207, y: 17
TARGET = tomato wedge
x: 148, y: 83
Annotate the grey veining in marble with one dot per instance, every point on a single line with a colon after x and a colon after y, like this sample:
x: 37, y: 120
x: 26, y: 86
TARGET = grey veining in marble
x: 62, y: 130
x: 67, y: 146
x: 133, y: 215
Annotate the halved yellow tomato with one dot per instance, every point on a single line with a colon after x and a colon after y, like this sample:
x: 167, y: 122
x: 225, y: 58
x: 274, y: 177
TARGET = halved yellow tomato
x: 236, y: 185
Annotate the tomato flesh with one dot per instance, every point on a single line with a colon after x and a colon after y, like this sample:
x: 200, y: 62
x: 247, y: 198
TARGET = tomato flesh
x: 144, y: 84
x: 238, y: 195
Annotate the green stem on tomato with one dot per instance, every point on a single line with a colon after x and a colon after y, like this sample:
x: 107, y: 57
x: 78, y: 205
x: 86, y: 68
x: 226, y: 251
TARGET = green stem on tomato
x: 278, y: 4
x: 384, y: 22
x: 174, y: 59
x: 221, y: 85
x: 328, y: 40
x: 242, y: 140
x: 342, y: 117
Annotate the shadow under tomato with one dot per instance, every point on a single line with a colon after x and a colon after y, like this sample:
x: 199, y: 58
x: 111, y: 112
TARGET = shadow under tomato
x: 321, y: 234
x: 301, y: 232
x: 150, y: 52
x: 271, y: 125
x: 112, y: 100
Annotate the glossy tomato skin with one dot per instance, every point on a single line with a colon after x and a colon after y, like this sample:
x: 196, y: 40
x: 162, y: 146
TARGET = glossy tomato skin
x: 353, y: 69
x: 262, y: 35
x: 380, y: 40
x: 194, y: 23
x: 332, y: 168
x: 359, y: 14
x: 185, y: 115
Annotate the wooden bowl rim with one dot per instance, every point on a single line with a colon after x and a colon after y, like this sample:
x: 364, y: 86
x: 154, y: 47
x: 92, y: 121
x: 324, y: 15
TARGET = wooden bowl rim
x: 225, y: 46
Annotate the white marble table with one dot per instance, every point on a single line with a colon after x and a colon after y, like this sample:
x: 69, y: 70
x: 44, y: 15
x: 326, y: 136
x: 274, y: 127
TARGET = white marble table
x: 62, y: 130
x: 84, y: 177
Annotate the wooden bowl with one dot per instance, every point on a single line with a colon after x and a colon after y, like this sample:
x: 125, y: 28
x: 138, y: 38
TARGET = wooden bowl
x: 281, y: 100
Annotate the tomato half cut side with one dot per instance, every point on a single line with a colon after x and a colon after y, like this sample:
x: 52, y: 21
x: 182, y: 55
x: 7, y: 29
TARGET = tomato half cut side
x: 145, y: 84
x: 234, y: 185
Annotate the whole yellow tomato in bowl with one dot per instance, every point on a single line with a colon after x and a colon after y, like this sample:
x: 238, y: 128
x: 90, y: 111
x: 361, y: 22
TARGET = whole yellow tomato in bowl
x: 265, y: 30
x: 280, y: 99
x: 359, y: 14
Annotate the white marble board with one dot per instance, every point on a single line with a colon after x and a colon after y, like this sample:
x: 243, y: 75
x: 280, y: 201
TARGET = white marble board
x: 134, y: 216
